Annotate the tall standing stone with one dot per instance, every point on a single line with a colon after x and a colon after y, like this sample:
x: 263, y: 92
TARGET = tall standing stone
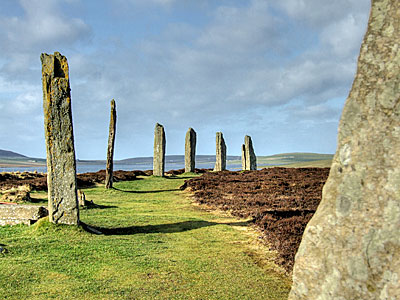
x: 351, y: 247
x: 159, y: 151
x: 250, y: 156
x: 244, y: 157
x: 190, y: 150
x: 220, y: 163
x: 61, y: 165
x: 110, y: 149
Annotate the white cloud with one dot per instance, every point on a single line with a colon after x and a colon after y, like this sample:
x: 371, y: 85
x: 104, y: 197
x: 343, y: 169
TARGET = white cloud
x: 42, y: 24
x: 344, y: 36
x: 317, y: 13
x: 284, y: 60
x: 42, y: 27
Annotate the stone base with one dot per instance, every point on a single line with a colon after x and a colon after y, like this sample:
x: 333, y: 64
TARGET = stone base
x: 12, y: 214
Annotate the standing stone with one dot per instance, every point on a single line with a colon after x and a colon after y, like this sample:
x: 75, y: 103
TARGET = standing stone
x: 190, y: 150
x: 159, y: 151
x: 110, y: 150
x: 351, y: 247
x: 220, y: 163
x: 244, y: 157
x: 251, y: 159
x: 61, y: 165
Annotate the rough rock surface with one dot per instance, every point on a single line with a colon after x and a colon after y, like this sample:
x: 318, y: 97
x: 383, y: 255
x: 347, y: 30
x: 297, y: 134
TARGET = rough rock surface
x: 351, y: 246
x: 220, y: 163
x: 21, y: 214
x: 244, y: 157
x: 110, y: 148
x: 61, y: 165
x: 159, y: 151
x: 190, y: 150
x: 250, y: 156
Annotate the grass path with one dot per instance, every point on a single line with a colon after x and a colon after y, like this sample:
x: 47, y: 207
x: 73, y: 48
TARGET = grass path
x: 157, y: 245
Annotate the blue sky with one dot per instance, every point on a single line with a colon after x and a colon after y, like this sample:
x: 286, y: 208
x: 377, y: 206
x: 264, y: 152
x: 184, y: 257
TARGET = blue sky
x: 278, y: 71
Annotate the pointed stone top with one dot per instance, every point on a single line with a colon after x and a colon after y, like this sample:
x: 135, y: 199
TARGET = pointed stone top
x: 112, y: 104
x: 54, y: 65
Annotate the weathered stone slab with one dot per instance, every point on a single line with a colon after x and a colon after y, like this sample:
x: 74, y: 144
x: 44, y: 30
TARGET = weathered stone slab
x: 61, y: 165
x: 110, y: 149
x: 159, y: 151
x: 220, y: 163
x: 351, y: 247
x: 190, y: 150
x: 250, y: 156
x: 11, y: 214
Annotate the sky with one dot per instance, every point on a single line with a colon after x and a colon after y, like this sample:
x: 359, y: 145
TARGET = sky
x: 279, y: 71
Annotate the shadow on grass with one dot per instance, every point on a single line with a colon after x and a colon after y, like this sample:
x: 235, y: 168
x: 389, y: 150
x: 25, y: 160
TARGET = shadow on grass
x: 99, y: 206
x: 39, y: 200
x: 146, y: 192
x: 182, y: 177
x: 161, y: 228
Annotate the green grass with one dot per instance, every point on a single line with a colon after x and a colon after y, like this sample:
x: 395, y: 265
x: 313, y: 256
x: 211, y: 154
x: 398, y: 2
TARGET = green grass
x: 157, y: 245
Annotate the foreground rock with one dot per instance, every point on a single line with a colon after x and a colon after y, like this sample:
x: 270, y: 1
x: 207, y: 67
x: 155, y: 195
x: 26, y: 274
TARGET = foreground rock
x: 21, y: 214
x: 351, y: 247
x: 61, y: 165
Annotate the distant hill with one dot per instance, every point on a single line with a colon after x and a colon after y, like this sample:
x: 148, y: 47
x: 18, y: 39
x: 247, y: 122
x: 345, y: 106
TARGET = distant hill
x: 297, y: 159
x: 10, y: 154
x: 9, y: 158
x: 173, y: 159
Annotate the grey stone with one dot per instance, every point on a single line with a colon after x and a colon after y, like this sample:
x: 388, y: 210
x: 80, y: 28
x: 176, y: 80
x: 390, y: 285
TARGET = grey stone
x: 351, y: 247
x: 110, y: 148
x: 81, y: 198
x: 159, y: 151
x: 244, y: 157
x: 220, y: 157
x: 12, y: 214
x: 190, y: 150
x: 250, y: 156
x: 61, y: 165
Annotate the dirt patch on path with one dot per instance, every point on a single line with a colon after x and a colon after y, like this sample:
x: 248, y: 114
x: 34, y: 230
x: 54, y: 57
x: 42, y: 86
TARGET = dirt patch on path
x: 281, y: 201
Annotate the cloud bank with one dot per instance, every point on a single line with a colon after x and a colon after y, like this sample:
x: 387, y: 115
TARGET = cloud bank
x: 278, y: 71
